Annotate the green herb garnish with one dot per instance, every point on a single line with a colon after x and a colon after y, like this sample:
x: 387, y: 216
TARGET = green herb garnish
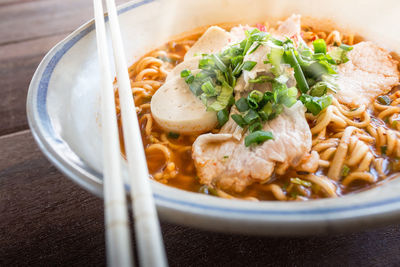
x: 208, y: 89
x: 315, y: 104
x: 346, y: 48
x: 345, y: 170
x: 239, y: 120
x: 173, y: 135
x: 185, y: 73
x: 319, y: 46
x: 223, y: 99
x: 248, y: 65
x: 256, y: 126
x: 384, y: 100
x: 208, y: 190
x: 262, y: 79
x: 257, y: 137
x: 223, y: 117
x: 319, y: 89
x: 300, y: 182
x: 298, y: 73
x: 251, y: 116
x: 383, y: 150
x: 242, y: 105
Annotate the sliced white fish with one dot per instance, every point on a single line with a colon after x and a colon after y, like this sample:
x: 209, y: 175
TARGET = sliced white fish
x: 175, y: 108
x: 212, y: 41
x: 190, y: 64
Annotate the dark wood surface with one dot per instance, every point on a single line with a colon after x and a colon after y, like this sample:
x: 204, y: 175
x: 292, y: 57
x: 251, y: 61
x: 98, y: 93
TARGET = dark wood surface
x: 47, y: 220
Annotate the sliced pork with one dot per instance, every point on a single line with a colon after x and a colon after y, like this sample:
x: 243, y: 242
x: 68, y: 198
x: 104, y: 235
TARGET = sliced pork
x: 371, y: 71
x: 222, y: 160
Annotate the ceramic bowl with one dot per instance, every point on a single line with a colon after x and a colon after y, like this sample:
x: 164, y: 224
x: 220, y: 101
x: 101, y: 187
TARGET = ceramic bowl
x: 64, y: 102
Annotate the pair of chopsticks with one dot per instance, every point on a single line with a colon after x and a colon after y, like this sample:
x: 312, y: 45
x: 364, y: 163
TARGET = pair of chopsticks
x: 147, y: 229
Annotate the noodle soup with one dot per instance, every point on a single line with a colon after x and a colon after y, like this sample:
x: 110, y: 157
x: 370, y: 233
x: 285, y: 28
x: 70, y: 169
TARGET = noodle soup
x: 349, y: 145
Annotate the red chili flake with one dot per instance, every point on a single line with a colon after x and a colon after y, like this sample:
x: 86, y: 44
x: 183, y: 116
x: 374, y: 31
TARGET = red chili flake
x: 261, y: 27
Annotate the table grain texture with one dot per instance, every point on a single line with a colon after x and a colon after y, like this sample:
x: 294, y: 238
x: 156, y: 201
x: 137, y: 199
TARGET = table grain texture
x: 47, y: 220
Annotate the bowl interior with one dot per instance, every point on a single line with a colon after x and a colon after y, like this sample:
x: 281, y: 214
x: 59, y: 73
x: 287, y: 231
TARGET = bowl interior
x: 66, y: 89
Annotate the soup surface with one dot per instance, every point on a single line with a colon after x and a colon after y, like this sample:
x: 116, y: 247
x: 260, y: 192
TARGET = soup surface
x: 354, y: 142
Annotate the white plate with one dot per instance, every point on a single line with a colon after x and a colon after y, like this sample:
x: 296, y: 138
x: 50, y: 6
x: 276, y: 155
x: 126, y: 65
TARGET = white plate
x: 64, y: 101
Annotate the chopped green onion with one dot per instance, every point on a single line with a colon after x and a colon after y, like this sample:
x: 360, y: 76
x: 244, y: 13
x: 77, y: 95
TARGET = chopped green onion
x: 222, y: 99
x: 255, y: 48
x: 298, y: 72
x: 304, y: 51
x: 256, y: 126
x: 266, y: 111
x: 222, y: 117
x: 262, y: 79
x: 319, y: 89
x: 330, y: 81
x: 237, y: 69
x: 292, y: 92
x: 242, y: 105
x: 384, y: 100
x: 189, y: 79
x: 268, y: 96
x: 282, y: 79
x: 339, y: 55
x: 209, y: 89
x: 185, y: 73
x: 226, y: 156
x: 257, y: 137
x: 239, y: 120
x: 251, y: 116
x: 195, y: 87
x: 300, y: 182
x: 256, y: 95
x: 248, y: 65
x: 346, y: 47
x: 319, y: 56
x: 173, y: 135
x: 319, y: 46
x: 331, y: 69
x: 276, y: 41
x: 206, y: 63
x: 219, y: 63
x: 383, y: 150
x: 345, y: 170
x: 289, y: 101
x: 316, y: 104
x: 252, y: 103
x: 237, y: 60
x: 275, y: 57
x: 219, y: 75
x: 208, y: 190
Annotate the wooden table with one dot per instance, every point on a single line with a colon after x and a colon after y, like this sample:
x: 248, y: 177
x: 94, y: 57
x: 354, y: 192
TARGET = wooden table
x: 45, y: 219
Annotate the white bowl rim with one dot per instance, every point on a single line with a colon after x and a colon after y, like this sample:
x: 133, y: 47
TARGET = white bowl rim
x: 316, y: 220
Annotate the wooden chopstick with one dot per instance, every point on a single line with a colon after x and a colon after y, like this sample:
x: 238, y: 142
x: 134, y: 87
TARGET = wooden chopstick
x: 147, y: 229
x: 118, y: 241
